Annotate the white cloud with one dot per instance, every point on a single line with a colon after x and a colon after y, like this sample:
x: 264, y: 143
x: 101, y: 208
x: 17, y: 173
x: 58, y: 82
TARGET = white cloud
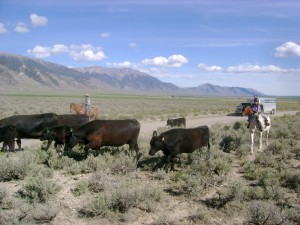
x: 288, y: 49
x: 37, y: 20
x: 77, y: 52
x: 86, y: 52
x: 125, y: 64
x: 132, y: 45
x: 2, y: 28
x: 105, y: 35
x: 210, y: 68
x: 21, y: 28
x: 171, y: 61
x: 248, y: 68
x: 40, y: 51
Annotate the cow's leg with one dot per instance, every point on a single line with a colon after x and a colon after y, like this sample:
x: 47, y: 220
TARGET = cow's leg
x: 160, y: 163
x: 170, y: 160
x: 11, y: 146
x: 252, y: 142
x: 3, y: 146
x: 19, y: 143
x: 48, y: 145
x: 134, y: 146
x: 260, y: 141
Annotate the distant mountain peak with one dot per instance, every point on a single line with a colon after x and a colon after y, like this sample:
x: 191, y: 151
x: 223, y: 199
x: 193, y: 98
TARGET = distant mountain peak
x: 20, y: 73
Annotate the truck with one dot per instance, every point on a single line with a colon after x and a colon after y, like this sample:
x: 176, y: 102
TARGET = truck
x: 267, y: 105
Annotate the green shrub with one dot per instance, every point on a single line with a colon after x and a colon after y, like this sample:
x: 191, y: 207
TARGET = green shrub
x: 80, y: 188
x: 267, y: 213
x: 38, y: 189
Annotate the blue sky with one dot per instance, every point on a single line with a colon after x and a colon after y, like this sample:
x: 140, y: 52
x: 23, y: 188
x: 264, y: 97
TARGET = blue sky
x: 237, y: 43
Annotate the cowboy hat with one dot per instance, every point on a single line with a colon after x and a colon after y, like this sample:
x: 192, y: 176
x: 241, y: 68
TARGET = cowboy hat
x: 87, y: 95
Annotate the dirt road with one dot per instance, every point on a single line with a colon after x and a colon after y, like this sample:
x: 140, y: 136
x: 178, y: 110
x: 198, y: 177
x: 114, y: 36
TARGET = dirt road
x: 148, y: 127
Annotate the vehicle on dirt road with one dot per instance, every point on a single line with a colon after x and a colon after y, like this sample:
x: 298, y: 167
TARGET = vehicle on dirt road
x: 267, y: 105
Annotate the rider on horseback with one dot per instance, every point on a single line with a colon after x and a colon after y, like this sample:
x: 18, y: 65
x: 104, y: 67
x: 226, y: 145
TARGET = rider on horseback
x: 256, y: 109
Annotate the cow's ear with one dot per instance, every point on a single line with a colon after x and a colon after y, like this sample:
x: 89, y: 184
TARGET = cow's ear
x: 154, y: 133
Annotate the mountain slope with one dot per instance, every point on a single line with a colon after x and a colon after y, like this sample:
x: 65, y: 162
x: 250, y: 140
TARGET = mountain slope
x: 19, y: 73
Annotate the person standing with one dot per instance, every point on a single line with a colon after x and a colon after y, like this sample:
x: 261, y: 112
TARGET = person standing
x: 87, y: 105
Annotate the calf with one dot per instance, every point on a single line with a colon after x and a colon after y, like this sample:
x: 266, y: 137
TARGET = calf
x: 98, y: 133
x: 177, y: 141
x: 58, y: 134
x: 176, y: 122
x: 7, y: 136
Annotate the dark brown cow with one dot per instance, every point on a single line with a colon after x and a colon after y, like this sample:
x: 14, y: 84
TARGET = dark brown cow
x: 7, y: 136
x: 177, y: 141
x: 98, y: 133
x: 67, y: 123
x: 176, y: 122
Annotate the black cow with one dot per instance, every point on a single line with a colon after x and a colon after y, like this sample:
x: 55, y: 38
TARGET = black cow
x: 30, y: 126
x: 59, y: 134
x: 177, y: 141
x: 7, y: 136
x: 98, y: 133
x: 176, y: 122
x: 67, y: 123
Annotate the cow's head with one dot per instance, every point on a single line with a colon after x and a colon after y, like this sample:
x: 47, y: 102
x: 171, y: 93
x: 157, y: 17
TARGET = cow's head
x: 47, y: 134
x: 169, y: 122
x: 156, y: 143
x: 71, y: 141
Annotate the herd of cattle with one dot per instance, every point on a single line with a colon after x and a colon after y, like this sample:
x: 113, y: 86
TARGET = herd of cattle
x: 72, y: 129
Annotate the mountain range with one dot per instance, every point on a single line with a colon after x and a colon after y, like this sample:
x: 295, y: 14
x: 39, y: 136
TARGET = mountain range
x: 21, y: 74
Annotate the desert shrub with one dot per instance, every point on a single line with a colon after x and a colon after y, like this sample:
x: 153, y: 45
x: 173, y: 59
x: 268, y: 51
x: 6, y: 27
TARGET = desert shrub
x: 237, y: 125
x: 5, y: 200
x: 265, y: 159
x: 291, y: 179
x: 13, y: 168
x: 42, y: 214
x: 119, y: 195
x: 38, y: 189
x: 80, y: 188
x: 268, y: 177
x: 261, y: 212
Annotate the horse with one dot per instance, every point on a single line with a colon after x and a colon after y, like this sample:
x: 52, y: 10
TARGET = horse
x: 79, y: 109
x: 257, y: 121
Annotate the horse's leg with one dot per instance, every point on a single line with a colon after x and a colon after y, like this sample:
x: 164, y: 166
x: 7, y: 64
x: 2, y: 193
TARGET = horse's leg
x: 268, y: 137
x: 260, y: 141
x: 252, y: 141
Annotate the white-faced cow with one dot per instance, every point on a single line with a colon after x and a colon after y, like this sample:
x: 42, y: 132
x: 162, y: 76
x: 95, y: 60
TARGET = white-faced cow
x: 98, y: 133
x: 177, y: 141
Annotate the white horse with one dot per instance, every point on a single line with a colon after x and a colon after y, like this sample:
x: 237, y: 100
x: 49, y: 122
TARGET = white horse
x: 257, y: 121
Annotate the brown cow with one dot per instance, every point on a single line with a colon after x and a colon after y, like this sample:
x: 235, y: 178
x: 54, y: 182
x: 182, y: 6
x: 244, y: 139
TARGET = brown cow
x: 79, y: 109
x: 98, y: 133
